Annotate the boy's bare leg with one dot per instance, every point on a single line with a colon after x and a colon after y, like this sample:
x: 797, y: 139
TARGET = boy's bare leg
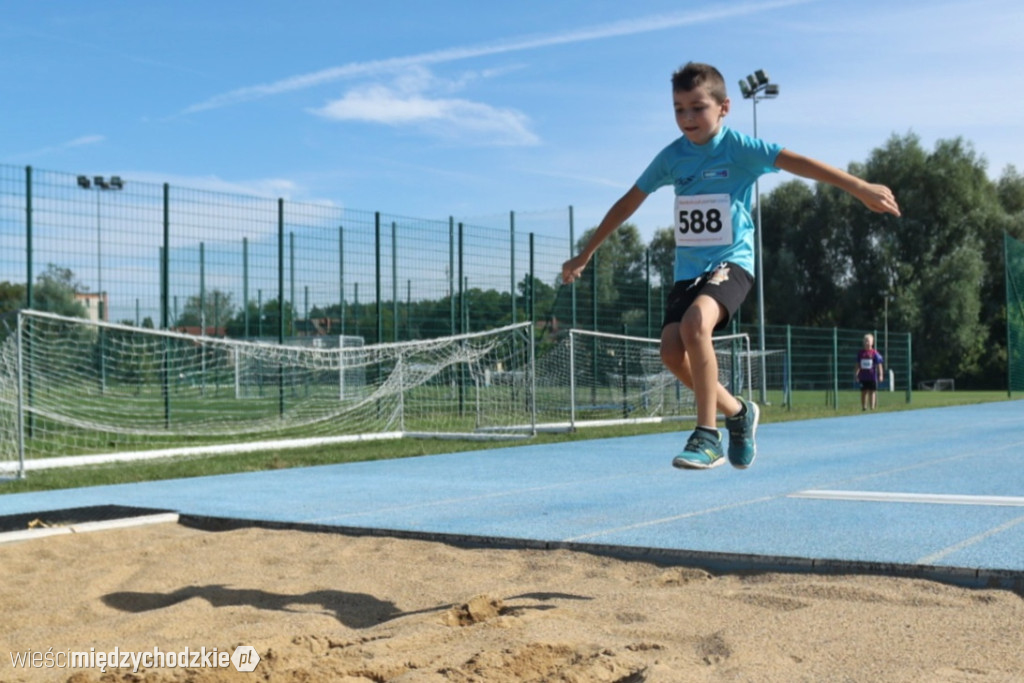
x: 696, y: 330
x: 680, y: 360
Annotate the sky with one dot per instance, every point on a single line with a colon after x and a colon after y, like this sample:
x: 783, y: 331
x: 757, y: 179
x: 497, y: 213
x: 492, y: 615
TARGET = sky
x: 474, y: 109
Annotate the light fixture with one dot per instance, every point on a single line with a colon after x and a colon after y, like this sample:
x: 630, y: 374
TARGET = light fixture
x: 756, y: 87
x: 100, y: 183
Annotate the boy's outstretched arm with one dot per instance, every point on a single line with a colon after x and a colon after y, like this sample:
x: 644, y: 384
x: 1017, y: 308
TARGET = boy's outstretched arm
x: 616, y: 216
x: 878, y: 198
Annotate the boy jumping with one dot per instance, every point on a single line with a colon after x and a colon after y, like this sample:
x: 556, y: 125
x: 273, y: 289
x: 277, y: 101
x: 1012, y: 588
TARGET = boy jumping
x: 713, y: 169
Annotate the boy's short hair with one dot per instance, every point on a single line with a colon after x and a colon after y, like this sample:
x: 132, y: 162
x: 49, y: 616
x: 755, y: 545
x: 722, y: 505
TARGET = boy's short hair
x: 694, y: 75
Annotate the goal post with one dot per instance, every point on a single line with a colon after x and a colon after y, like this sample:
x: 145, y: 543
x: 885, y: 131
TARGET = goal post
x: 91, y: 391
x: 595, y: 378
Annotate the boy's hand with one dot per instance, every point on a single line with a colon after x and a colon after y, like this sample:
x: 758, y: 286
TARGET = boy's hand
x: 573, y: 268
x: 879, y: 199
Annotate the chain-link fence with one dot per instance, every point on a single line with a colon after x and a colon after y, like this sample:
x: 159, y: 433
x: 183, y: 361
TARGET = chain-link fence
x: 818, y: 365
x: 227, y: 264
x: 245, y: 267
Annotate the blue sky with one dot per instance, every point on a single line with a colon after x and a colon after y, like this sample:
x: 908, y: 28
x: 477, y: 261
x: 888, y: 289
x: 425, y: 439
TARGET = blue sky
x: 472, y: 109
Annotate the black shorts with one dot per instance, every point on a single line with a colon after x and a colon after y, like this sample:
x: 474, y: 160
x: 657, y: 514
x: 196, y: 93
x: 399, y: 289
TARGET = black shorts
x: 869, y: 385
x: 728, y: 284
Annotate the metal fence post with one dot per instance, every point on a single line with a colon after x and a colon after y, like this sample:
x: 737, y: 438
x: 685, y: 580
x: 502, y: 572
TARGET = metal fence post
x: 394, y: 280
x: 28, y: 237
x: 647, y: 265
x: 572, y: 246
x: 910, y: 379
x: 30, y: 302
x: 280, y: 301
x: 451, y: 271
x: 512, y: 262
x: 835, y: 367
x: 380, y: 312
x: 788, y: 368
x: 341, y: 281
x: 532, y: 301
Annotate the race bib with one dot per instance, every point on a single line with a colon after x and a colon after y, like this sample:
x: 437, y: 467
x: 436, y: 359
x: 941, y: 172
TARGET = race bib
x: 703, y: 220
x: 866, y: 363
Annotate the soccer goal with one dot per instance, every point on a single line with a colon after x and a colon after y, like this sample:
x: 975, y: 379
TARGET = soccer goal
x: 942, y: 384
x: 597, y: 378
x: 75, y: 391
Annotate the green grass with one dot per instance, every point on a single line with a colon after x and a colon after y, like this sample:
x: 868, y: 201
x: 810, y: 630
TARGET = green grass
x: 807, y: 405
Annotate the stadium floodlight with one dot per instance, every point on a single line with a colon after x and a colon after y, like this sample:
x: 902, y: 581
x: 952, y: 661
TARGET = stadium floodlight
x: 756, y: 87
x: 100, y: 183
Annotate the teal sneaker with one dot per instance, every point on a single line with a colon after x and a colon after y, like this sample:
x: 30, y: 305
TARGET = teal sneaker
x: 702, y: 452
x: 742, y: 429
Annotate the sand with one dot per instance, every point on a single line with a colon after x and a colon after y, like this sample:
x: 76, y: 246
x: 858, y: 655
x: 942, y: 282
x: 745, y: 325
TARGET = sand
x: 329, y: 607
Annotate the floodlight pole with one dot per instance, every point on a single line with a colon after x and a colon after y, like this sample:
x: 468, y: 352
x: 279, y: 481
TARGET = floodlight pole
x: 100, y: 183
x: 756, y: 87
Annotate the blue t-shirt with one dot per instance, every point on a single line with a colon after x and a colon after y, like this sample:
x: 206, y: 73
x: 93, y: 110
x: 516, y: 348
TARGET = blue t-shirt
x: 729, y: 164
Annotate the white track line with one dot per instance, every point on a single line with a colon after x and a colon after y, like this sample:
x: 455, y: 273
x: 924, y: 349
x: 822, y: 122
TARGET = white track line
x: 896, y: 497
x: 967, y: 543
x: 83, y: 527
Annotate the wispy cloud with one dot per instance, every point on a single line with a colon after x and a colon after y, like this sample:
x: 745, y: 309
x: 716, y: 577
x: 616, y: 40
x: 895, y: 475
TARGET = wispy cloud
x: 85, y: 140
x: 99, y: 48
x: 82, y: 141
x: 410, y: 101
x: 266, y: 187
x: 639, y: 25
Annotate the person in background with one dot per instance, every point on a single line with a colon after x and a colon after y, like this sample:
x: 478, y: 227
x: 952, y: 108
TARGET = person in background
x: 869, y: 373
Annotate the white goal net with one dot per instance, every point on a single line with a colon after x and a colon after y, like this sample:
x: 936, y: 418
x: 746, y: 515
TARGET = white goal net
x: 75, y: 391
x: 71, y: 387
x: 596, y: 378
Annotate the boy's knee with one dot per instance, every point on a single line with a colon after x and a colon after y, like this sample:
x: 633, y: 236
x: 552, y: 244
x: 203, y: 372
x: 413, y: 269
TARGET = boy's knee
x: 693, y: 330
x: 671, y: 355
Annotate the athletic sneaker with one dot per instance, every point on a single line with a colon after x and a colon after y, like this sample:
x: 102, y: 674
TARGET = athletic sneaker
x: 702, y: 452
x: 742, y: 429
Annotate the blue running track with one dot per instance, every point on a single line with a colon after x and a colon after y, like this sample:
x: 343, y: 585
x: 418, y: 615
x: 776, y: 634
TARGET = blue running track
x: 936, y: 493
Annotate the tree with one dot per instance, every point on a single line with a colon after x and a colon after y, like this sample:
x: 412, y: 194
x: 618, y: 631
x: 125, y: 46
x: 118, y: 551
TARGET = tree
x: 55, y: 292
x: 829, y: 261
x: 211, y: 311
x: 618, y: 265
x: 263, y: 320
x: 12, y: 296
x: 663, y: 256
x: 801, y: 268
x: 934, y: 262
x: 1011, y: 190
